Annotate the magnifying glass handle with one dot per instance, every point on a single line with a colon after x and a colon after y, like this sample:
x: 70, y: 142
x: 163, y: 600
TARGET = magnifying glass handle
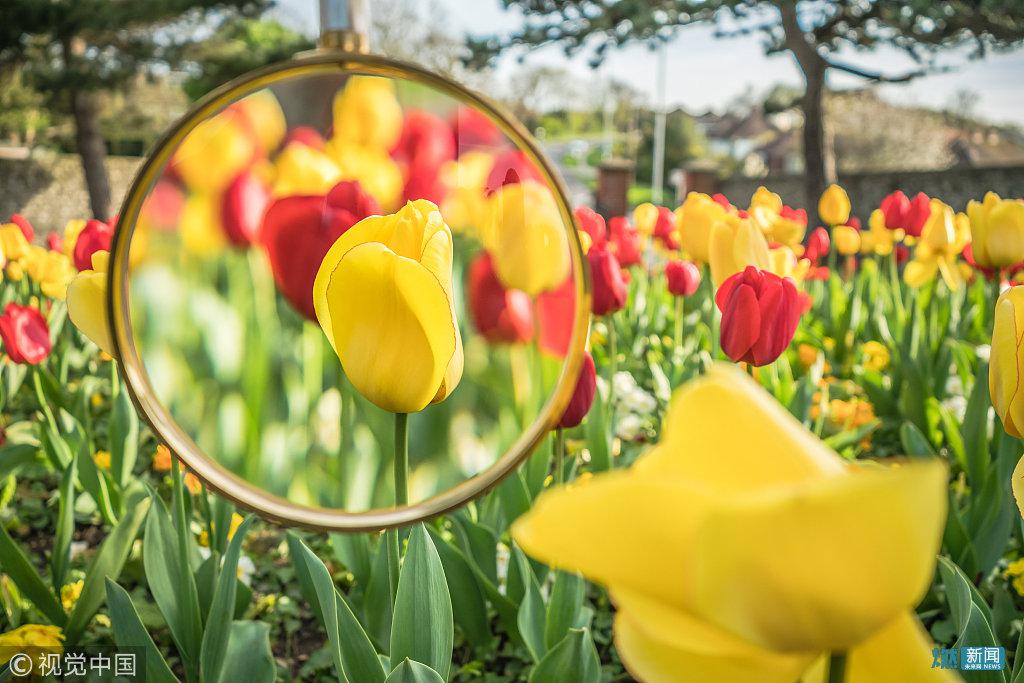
x: 345, y: 25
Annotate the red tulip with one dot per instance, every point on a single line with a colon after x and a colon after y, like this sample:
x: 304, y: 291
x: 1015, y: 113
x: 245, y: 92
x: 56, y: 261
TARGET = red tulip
x: 818, y: 245
x: 902, y: 254
x: 242, y: 207
x: 511, y: 167
x: 298, y: 231
x: 625, y: 242
x: 26, y: 227
x: 664, y: 227
x: 902, y: 213
x: 582, y: 395
x: 798, y: 215
x: 426, y: 142
x: 162, y: 207
x: 501, y: 315
x: 25, y: 334
x: 609, y: 287
x: 473, y: 129
x: 95, y: 236
x: 54, y: 242
x: 556, y: 312
x: 760, y: 313
x: 592, y: 223
x: 305, y: 135
x: 683, y: 277
x: 722, y: 200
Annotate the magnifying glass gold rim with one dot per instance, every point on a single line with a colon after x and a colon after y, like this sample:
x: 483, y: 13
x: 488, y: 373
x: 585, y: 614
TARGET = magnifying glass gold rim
x: 230, y: 485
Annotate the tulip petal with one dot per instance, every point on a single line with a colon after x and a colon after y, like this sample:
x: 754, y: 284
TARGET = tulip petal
x: 390, y: 323
x: 660, y: 644
x: 437, y: 258
x: 1007, y: 361
x: 582, y: 528
x: 900, y: 651
x: 87, y: 307
x: 775, y: 568
x: 701, y: 442
x: 741, y: 322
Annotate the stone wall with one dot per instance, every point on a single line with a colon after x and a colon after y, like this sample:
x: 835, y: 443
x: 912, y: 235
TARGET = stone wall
x: 49, y: 189
x: 955, y: 186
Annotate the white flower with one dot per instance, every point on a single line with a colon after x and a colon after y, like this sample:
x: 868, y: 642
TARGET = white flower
x: 629, y: 427
x: 957, y: 405
x: 246, y: 569
x: 623, y: 383
x: 639, y: 401
x: 984, y: 352
x: 954, y: 385
x: 503, y: 558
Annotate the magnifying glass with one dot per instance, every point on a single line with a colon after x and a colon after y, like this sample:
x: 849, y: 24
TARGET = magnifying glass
x: 218, y: 312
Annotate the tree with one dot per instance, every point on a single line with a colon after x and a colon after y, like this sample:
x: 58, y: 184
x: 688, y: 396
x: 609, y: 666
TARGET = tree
x: 683, y: 142
x: 815, y: 33
x: 239, y: 45
x: 71, y: 50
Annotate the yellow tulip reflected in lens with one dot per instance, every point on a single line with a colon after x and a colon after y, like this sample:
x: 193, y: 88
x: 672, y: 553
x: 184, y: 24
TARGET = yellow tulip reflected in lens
x: 338, y: 246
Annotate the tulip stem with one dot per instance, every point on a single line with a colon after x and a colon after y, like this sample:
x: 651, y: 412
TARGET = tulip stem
x: 559, y: 456
x: 897, y: 288
x: 679, y: 322
x: 837, y: 667
x: 391, y: 537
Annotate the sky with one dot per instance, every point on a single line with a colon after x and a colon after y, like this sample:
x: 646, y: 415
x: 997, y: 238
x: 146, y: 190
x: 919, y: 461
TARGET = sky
x: 704, y: 72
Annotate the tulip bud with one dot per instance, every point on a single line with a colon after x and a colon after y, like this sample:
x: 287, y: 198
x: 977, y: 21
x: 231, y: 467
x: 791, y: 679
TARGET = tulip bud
x: 87, y: 302
x: 426, y: 143
x: 383, y: 296
x: 25, y: 334
x: 95, y: 236
x: 216, y: 151
x: 511, y: 167
x: 683, y: 277
x: 592, y: 223
x: 735, y: 244
x: 582, y: 395
x: 501, y: 315
x: 265, y: 117
x: 298, y: 231
x: 847, y: 239
x: 367, y: 113
x: 242, y: 208
x: 54, y: 242
x: 1005, y: 381
x: 695, y: 220
x: 997, y: 231
x: 760, y: 313
x: 625, y: 242
x: 306, y: 135
x: 26, y: 227
x: 834, y: 205
x: 818, y: 245
x: 556, y: 312
x: 609, y: 287
x: 902, y: 213
x: 474, y: 129
x: 665, y: 228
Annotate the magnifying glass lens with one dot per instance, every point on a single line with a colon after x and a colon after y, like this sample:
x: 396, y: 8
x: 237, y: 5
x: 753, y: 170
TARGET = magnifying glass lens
x: 331, y: 249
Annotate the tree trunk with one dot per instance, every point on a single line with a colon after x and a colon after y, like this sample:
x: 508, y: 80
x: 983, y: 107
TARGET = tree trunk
x: 819, y: 159
x: 92, y: 151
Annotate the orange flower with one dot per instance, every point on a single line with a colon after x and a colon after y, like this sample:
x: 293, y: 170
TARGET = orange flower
x: 162, y: 459
x: 193, y: 484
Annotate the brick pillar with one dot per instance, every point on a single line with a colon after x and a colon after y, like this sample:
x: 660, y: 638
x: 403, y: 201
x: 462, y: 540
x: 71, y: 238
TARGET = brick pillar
x: 614, y: 178
x: 698, y: 176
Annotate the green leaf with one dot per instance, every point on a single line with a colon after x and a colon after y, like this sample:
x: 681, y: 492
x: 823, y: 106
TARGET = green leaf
x: 354, y: 658
x: 172, y: 585
x: 129, y: 632
x: 599, y: 434
x: 354, y: 551
x: 249, y: 657
x: 124, y: 438
x: 532, y: 615
x: 423, y: 627
x: 14, y: 456
x: 65, y: 528
x: 468, y: 605
x: 564, y: 606
x: 92, y: 480
x: 975, y: 428
x: 377, y: 608
x: 573, y: 660
x: 414, y: 672
x: 17, y: 566
x: 222, y: 609
x: 914, y: 441
x: 107, y: 563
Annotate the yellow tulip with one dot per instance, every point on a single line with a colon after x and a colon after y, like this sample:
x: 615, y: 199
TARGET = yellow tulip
x: 465, y: 205
x: 847, y: 239
x: 202, y: 233
x: 373, y: 167
x: 87, y: 303
x: 526, y: 238
x: 783, y: 261
x: 879, y: 239
x: 694, y: 220
x: 834, y: 205
x: 264, y: 113
x: 215, y: 152
x: 13, y: 242
x: 876, y: 355
x: 72, y: 229
x: 997, y: 231
x: 366, y: 112
x: 765, y: 198
x: 750, y: 548
x: 383, y: 296
x: 776, y: 227
x: 645, y: 217
x: 943, y: 237
x: 1005, y: 381
x: 40, y: 639
x: 71, y: 592
x: 51, y: 270
x: 736, y: 244
x: 302, y: 170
